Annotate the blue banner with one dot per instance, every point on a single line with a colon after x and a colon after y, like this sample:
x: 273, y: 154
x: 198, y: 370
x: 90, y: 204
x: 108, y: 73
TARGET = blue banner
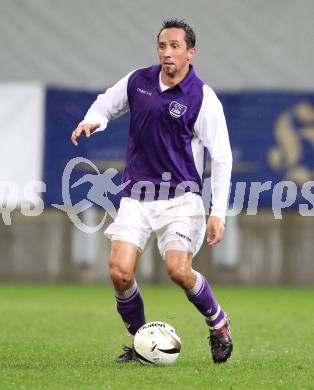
x: 271, y: 134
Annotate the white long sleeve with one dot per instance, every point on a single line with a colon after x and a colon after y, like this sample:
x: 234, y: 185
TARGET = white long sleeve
x: 210, y: 127
x: 109, y: 105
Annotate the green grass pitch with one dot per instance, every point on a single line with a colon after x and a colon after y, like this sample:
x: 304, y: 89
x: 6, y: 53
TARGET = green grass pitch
x: 67, y: 337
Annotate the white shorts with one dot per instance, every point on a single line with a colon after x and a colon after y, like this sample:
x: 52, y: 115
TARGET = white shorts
x: 178, y: 223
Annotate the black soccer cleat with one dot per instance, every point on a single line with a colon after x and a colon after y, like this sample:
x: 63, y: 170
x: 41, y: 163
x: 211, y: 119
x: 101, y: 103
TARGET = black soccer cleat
x: 221, y: 343
x: 127, y: 356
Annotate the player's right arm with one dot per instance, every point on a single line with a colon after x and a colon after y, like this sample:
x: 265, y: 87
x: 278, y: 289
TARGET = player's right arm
x: 84, y: 129
x: 107, y: 106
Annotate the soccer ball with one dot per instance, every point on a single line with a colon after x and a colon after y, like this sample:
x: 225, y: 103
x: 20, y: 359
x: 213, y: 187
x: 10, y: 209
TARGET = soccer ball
x: 157, y: 343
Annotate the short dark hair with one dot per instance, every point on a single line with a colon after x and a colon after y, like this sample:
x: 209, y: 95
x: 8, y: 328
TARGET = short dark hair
x: 190, y: 37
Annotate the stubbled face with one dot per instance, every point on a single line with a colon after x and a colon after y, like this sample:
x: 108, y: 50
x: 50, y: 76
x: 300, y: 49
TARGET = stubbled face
x: 173, y: 53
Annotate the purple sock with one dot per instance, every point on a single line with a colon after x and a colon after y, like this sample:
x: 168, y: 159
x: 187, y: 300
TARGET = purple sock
x: 130, y: 305
x: 203, y: 298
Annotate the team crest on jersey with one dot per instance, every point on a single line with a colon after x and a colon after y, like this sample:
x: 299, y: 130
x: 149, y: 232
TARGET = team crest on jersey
x: 176, y: 109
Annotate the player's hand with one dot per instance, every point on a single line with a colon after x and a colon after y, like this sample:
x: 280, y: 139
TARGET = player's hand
x: 215, y: 230
x: 84, y: 130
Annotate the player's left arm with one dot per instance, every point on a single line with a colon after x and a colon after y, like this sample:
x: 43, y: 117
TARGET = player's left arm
x: 212, y: 130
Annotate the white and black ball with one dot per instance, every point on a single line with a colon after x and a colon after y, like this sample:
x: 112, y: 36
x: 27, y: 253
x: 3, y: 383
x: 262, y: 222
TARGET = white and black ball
x: 157, y: 343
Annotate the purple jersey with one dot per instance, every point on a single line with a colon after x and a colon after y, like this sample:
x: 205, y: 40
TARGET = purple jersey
x: 161, y: 131
x: 169, y: 129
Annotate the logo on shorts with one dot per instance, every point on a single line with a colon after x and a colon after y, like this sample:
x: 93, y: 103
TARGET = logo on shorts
x: 176, y: 109
x: 183, y: 236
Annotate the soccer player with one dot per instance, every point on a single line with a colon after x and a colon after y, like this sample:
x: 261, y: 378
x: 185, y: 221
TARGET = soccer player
x: 173, y: 116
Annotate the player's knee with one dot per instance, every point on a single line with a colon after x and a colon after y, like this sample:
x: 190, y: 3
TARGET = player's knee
x: 178, y: 275
x: 121, y: 278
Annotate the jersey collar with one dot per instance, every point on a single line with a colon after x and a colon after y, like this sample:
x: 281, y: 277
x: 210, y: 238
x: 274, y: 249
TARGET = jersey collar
x: 184, y: 85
